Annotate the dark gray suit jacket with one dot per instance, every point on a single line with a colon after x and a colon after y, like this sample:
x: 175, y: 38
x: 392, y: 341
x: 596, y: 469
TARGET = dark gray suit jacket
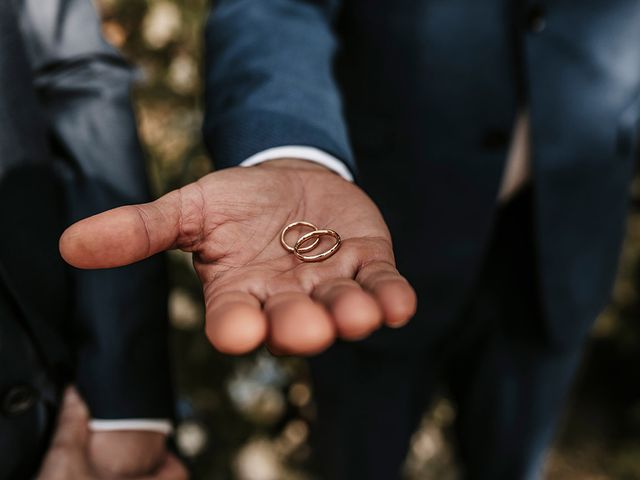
x: 419, y: 97
x: 68, y: 149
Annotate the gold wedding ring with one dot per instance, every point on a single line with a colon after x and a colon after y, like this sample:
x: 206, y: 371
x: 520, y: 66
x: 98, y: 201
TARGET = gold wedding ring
x: 312, y: 239
x: 288, y: 247
x: 316, y: 234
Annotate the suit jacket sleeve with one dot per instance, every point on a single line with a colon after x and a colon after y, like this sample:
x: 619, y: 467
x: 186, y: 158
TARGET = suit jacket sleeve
x: 120, y: 314
x: 269, y: 79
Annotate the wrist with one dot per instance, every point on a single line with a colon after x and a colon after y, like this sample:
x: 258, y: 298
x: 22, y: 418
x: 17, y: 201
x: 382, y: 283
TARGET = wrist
x: 126, y: 453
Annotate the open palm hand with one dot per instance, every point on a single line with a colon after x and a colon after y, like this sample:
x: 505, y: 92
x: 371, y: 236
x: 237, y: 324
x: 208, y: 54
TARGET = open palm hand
x: 256, y: 291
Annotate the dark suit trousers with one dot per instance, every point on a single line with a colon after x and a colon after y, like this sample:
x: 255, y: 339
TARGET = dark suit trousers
x: 495, y: 361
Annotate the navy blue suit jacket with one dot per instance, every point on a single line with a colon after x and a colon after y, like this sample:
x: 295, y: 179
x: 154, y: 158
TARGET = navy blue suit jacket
x: 419, y: 98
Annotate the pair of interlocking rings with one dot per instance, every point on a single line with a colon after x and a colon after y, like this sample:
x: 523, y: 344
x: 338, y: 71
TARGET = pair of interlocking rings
x: 309, y: 241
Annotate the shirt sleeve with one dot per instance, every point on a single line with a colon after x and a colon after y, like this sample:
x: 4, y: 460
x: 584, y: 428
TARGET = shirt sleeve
x: 159, y: 425
x: 300, y: 152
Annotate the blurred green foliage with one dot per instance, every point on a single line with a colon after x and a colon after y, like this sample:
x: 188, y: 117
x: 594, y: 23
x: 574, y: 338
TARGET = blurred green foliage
x: 247, y: 418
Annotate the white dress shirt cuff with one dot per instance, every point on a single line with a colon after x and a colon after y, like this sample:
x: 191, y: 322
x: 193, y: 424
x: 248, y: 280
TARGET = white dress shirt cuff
x: 159, y: 425
x: 301, y: 152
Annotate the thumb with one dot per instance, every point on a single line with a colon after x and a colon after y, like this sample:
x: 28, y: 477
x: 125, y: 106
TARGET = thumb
x: 73, y: 420
x: 123, y: 235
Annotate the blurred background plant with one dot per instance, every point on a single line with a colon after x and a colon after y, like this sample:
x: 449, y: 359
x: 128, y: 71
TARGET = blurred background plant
x: 248, y: 418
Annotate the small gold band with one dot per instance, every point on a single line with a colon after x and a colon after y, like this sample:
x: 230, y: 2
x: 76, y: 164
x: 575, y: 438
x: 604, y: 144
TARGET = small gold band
x: 288, y: 247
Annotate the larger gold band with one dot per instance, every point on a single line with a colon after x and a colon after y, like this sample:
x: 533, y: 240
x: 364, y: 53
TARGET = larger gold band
x: 299, y: 249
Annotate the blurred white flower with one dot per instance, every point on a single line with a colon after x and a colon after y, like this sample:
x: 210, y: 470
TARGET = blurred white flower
x: 191, y: 438
x: 257, y: 460
x: 293, y: 436
x: 296, y: 431
x: 262, y: 403
x: 183, y: 311
x: 426, y: 443
x: 161, y: 24
x: 443, y: 413
x: 299, y: 394
x: 255, y: 389
x: 183, y: 74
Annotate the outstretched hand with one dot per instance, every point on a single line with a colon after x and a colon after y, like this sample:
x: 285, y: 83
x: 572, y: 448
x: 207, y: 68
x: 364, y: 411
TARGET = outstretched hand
x: 254, y: 290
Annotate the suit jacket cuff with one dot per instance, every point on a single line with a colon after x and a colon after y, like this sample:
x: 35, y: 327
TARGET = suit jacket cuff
x: 235, y: 137
x: 123, y: 367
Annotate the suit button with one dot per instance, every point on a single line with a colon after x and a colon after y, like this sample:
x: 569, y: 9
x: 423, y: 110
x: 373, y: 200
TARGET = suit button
x: 18, y: 400
x: 494, y: 140
x: 536, y: 19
